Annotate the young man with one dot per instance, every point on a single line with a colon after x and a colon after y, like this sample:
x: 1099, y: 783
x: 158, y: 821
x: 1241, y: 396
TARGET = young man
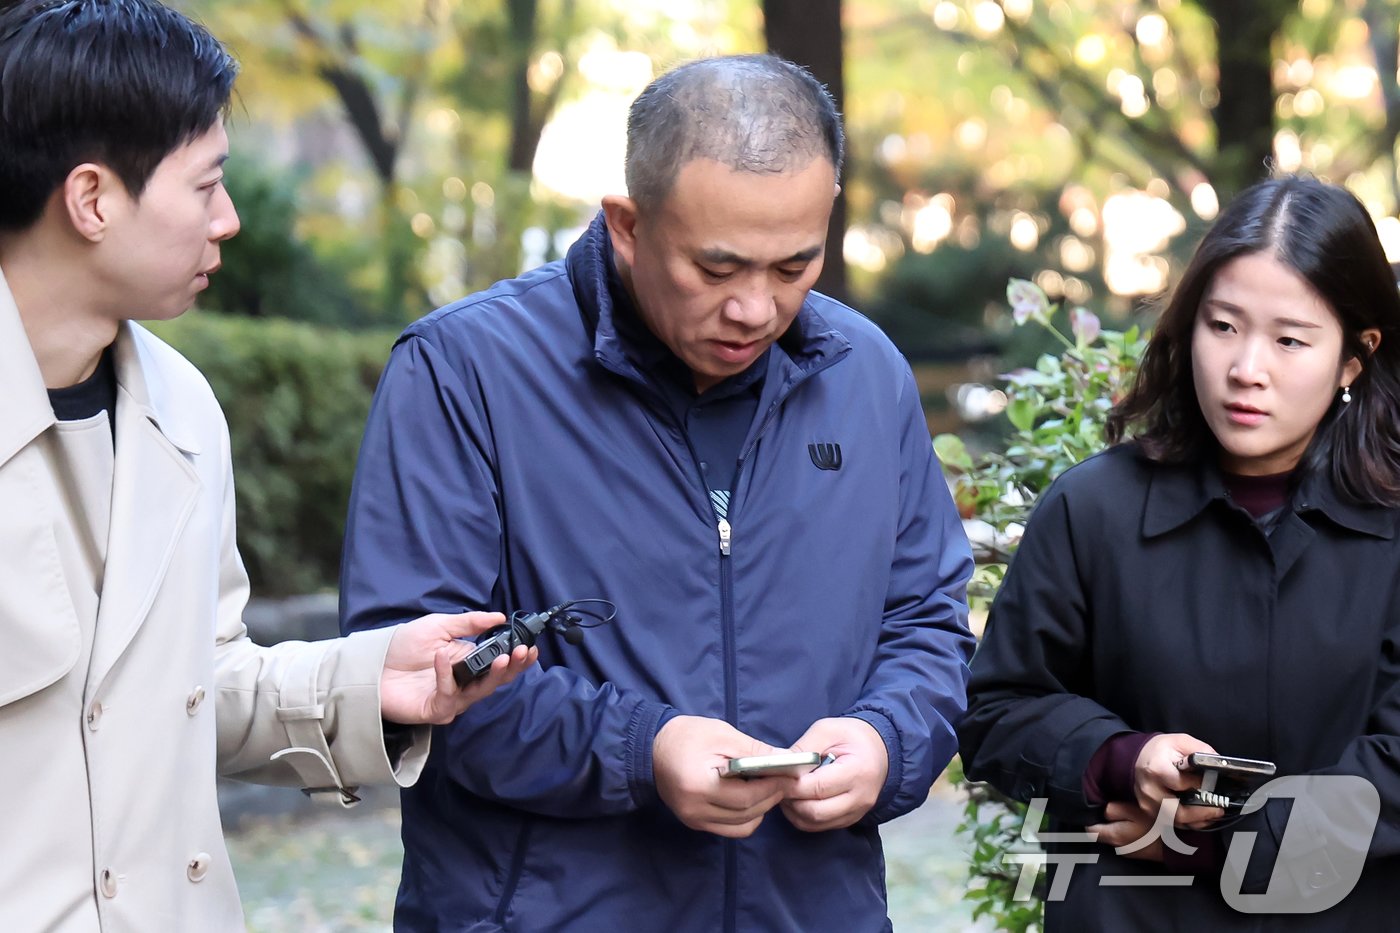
x: 669, y: 418
x: 127, y: 679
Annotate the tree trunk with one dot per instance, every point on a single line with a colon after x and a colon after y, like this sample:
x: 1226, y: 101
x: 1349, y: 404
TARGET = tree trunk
x: 525, y: 127
x: 382, y: 141
x: 1385, y: 44
x: 1244, y: 117
x: 808, y: 32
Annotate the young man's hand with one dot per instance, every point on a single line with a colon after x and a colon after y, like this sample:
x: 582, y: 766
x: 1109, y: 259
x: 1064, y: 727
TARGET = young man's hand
x: 417, y: 684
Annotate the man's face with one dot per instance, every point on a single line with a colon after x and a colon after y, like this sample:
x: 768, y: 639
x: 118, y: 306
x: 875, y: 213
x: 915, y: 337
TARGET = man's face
x: 161, y: 248
x: 721, y: 267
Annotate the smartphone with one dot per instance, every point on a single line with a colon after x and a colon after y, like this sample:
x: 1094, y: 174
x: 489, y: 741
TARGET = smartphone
x: 776, y: 763
x: 1228, y: 765
x: 1226, y: 780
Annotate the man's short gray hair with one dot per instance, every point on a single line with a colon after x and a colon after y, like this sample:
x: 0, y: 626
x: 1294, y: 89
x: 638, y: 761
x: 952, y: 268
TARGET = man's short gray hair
x: 752, y: 113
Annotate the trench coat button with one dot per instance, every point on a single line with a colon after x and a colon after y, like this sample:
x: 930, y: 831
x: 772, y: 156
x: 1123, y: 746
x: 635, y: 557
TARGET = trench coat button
x: 195, y: 700
x: 94, y: 715
x: 198, y: 867
x: 107, y: 883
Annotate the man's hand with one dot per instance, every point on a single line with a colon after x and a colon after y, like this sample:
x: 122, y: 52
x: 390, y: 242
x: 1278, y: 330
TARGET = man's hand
x: 834, y: 796
x: 417, y: 685
x: 689, y: 757
x: 1160, y: 772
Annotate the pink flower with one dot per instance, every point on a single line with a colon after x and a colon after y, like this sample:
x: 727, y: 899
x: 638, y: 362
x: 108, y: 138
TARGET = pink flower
x: 1085, y: 326
x: 1027, y: 301
x: 1019, y: 377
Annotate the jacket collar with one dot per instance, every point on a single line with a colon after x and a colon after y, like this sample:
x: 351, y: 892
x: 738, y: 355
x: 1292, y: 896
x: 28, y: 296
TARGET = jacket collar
x: 1177, y: 493
x: 811, y: 342
x: 26, y: 412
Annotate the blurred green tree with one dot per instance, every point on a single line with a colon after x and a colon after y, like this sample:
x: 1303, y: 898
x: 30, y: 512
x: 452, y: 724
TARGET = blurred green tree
x: 384, y: 66
x: 270, y: 271
x: 1099, y: 137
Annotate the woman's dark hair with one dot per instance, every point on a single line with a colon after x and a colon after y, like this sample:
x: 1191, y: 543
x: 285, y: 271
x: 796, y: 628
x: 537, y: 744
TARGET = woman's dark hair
x: 120, y: 82
x: 1322, y: 233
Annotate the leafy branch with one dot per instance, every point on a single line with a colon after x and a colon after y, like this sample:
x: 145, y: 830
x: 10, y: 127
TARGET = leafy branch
x: 1058, y: 409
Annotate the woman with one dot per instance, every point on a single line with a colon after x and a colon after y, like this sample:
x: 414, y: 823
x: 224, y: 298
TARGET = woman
x: 1222, y: 579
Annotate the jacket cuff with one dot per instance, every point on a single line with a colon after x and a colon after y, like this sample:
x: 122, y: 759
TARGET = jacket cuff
x: 894, y: 752
x: 354, y: 726
x: 1054, y: 762
x: 647, y: 720
x: 1048, y: 759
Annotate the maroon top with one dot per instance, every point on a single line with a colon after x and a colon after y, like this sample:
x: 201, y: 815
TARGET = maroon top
x: 1258, y: 495
x: 1109, y: 776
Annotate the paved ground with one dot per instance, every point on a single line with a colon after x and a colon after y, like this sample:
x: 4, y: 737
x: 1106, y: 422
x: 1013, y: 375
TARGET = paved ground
x: 335, y: 872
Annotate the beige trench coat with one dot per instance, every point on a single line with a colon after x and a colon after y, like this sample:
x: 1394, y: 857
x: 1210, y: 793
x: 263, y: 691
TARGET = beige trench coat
x: 108, y: 814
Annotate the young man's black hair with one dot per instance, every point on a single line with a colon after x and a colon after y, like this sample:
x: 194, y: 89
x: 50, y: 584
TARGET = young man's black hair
x: 121, y: 82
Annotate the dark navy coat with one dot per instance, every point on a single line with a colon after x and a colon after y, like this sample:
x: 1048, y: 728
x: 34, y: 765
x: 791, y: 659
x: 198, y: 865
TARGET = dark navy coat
x: 1143, y: 599
x: 516, y: 457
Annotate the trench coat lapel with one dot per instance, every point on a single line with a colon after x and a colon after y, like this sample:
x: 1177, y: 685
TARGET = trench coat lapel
x: 26, y: 412
x: 154, y: 489
x: 41, y: 639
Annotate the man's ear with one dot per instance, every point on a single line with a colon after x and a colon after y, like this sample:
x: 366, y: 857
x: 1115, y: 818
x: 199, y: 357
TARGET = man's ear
x: 620, y: 214
x: 86, y: 194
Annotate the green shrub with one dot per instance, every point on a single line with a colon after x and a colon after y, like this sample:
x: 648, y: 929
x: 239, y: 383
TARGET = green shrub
x: 270, y: 269
x: 296, y: 397
x: 1058, y: 411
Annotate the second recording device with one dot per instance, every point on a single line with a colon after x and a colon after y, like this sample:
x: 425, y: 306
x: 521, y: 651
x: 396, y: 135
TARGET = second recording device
x: 524, y: 628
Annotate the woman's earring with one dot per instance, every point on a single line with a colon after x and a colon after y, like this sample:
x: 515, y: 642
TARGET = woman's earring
x: 1346, y: 394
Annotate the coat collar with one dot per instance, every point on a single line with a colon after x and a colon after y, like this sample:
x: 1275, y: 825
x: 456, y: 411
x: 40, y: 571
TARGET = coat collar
x: 1177, y: 493
x: 27, y: 413
x: 148, y: 389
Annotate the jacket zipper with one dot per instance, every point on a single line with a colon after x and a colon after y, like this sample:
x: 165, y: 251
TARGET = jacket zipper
x: 731, y: 705
x: 725, y: 531
x: 731, y: 676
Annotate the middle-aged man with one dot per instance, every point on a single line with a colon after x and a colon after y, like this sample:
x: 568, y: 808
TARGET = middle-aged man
x: 126, y: 674
x: 669, y: 419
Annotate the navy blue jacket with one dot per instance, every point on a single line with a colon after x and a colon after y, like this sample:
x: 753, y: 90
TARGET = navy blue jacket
x: 516, y: 457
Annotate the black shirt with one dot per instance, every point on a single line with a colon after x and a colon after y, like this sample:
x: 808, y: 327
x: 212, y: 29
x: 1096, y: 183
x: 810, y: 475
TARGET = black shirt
x: 94, y: 394
x: 715, y: 421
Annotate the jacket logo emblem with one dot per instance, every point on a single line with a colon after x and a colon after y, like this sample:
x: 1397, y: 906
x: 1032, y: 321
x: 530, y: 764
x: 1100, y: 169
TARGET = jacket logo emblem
x: 825, y: 456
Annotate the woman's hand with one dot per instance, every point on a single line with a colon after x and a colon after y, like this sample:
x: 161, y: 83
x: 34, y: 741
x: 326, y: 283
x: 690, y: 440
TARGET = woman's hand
x: 1161, y: 772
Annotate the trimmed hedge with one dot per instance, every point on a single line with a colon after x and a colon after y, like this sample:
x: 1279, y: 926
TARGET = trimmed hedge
x: 296, y: 397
